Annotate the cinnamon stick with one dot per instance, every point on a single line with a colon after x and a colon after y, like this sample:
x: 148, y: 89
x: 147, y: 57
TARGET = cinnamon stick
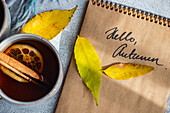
x: 14, y: 70
x: 17, y: 67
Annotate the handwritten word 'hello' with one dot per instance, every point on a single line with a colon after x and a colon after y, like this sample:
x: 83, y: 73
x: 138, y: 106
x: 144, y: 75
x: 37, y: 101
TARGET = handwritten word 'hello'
x: 115, y: 36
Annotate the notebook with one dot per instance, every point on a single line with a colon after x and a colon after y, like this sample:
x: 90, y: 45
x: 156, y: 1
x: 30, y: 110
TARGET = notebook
x: 128, y: 35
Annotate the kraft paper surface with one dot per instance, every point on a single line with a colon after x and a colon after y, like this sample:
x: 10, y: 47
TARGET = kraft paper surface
x: 135, y: 37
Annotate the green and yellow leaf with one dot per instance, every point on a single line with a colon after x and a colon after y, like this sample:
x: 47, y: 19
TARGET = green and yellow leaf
x: 88, y: 64
x: 49, y: 24
x: 125, y: 71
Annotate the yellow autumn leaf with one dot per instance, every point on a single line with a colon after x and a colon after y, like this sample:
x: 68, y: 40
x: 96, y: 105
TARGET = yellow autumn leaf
x: 125, y: 71
x: 49, y: 24
x: 88, y: 64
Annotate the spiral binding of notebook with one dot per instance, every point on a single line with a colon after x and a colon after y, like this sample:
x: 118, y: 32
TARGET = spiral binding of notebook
x: 133, y: 11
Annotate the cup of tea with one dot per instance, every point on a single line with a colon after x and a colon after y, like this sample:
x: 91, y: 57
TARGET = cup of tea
x: 5, y: 20
x: 39, y: 55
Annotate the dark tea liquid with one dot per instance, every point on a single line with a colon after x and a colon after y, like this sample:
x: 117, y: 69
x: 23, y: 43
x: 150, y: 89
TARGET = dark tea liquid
x: 29, y: 91
x: 1, y: 15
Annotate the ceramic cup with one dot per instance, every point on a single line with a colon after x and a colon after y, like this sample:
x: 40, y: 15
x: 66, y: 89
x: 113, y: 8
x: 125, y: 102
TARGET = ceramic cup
x: 31, y: 37
x: 5, y: 20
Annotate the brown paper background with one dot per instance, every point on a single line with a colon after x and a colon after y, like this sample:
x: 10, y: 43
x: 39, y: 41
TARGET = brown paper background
x: 145, y: 94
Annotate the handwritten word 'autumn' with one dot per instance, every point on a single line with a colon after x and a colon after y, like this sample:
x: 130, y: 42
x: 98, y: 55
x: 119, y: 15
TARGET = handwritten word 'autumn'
x: 133, y: 55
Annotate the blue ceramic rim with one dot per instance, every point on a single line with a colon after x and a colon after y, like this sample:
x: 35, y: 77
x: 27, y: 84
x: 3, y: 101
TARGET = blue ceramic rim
x: 5, y: 17
x: 59, y: 81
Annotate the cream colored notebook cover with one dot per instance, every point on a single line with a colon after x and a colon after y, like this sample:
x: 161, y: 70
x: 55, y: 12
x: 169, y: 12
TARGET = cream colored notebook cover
x: 119, y: 34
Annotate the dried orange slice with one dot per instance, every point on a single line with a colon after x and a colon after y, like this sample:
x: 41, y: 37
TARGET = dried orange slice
x: 27, y: 55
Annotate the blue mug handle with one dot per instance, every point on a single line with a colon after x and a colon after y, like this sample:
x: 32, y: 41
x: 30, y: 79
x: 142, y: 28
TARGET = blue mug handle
x: 10, y: 2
